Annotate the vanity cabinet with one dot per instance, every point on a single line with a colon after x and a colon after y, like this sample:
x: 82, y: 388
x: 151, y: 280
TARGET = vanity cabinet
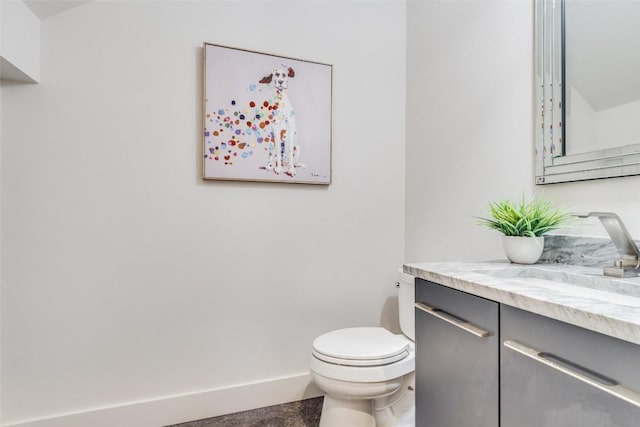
x: 457, y: 358
x: 480, y: 363
x: 558, y: 375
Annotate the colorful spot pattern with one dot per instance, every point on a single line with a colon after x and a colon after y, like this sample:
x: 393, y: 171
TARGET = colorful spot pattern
x: 234, y: 133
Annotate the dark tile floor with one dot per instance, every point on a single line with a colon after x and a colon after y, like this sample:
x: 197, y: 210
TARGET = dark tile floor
x: 305, y: 413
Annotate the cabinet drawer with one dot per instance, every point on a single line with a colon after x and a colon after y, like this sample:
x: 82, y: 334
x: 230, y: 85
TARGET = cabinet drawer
x: 557, y: 375
x: 478, y: 313
x: 457, y: 348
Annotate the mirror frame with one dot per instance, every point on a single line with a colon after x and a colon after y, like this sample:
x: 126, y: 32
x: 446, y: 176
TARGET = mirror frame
x: 552, y: 165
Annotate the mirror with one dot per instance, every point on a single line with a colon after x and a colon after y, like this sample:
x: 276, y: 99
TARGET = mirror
x: 587, y: 71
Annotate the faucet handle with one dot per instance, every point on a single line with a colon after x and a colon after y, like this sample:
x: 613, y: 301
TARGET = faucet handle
x: 619, y: 235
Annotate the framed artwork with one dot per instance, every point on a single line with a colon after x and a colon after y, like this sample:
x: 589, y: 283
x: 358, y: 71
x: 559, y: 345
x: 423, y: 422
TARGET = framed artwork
x: 266, y: 117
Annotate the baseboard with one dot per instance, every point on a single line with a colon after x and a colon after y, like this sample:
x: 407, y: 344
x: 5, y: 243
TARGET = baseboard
x: 187, y: 407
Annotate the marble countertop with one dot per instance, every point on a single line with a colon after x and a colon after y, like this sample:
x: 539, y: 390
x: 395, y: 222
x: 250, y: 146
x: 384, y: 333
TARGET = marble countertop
x: 581, y: 296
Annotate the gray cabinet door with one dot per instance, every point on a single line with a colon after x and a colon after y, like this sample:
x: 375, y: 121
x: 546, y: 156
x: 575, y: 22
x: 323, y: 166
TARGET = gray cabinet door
x: 557, y: 375
x: 457, y: 371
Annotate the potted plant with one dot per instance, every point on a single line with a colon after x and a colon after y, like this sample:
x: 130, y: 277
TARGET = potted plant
x: 523, y: 225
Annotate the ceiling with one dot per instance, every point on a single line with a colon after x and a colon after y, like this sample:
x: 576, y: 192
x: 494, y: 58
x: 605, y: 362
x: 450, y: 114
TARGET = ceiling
x: 46, y: 8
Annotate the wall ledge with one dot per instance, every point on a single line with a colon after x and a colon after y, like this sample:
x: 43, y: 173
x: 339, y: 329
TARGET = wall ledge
x: 19, y: 42
x: 8, y: 71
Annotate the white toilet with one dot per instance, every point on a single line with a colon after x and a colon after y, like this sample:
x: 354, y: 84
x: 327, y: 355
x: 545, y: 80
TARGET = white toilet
x: 367, y: 374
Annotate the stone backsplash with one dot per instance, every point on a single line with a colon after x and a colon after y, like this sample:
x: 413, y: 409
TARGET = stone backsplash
x: 579, y: 250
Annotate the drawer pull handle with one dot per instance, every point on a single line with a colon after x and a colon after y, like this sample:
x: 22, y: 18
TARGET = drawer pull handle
x: 443, y: 315
x: 606, y: 385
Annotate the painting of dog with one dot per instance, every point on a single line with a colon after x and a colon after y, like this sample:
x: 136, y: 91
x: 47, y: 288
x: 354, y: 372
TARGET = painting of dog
x: 252, y: 131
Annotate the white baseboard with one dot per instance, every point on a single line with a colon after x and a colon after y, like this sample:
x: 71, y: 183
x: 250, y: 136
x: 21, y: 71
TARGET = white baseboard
x: 186, y: 407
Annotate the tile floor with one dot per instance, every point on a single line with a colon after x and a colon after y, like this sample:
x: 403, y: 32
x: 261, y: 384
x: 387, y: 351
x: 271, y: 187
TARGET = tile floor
x: 305, y: 413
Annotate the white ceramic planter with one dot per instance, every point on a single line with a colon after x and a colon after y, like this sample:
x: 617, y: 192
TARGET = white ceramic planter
x: 523, y: 250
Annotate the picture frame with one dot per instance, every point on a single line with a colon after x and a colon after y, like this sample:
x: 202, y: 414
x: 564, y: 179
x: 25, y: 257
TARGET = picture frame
x: 265, y: 117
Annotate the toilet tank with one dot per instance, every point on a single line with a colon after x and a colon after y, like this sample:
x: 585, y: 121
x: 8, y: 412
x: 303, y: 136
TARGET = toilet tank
x: 406, y: 304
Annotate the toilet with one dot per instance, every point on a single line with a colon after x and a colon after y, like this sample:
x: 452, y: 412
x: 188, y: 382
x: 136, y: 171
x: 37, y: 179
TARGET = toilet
x: 367, y: 374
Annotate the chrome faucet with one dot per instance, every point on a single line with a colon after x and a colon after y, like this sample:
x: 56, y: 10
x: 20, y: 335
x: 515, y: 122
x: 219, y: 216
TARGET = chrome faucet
x: 629, y: 252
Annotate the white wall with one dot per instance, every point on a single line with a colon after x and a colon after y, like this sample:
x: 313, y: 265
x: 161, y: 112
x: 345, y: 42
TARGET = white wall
x: 618, y: 125
x: 619, y: 195
x: 469, y: 122
x: 1, y: 38
x: 589, y: 130
x: 580, y: 124
x: 126, y: 278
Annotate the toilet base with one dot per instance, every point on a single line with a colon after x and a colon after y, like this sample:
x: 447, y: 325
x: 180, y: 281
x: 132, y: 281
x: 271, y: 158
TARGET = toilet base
x: 397, y: 410
x: 352, y: 413
x: 337, y: 412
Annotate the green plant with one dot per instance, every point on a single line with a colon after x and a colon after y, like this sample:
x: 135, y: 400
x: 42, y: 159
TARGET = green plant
x: 531, y: 219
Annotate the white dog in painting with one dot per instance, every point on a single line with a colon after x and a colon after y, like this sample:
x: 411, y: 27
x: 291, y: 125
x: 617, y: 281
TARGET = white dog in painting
x: 283, y: 151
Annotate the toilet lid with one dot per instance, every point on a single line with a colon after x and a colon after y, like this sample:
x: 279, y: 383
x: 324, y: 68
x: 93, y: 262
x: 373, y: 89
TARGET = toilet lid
x: 360, y: 347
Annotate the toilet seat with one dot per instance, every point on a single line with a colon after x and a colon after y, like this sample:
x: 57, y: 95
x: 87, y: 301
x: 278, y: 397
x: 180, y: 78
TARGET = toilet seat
x: 360, y: 347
